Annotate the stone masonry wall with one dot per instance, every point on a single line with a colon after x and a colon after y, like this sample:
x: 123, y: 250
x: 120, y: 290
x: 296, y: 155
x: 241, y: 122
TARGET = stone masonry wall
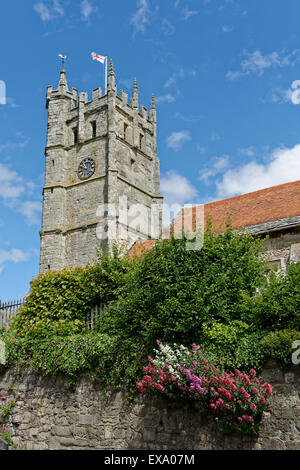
x: 48, y: 415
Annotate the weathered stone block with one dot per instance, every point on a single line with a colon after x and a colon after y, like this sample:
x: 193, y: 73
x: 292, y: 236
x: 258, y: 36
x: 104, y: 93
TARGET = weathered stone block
x: 3, y: 445
x: 86, y: 419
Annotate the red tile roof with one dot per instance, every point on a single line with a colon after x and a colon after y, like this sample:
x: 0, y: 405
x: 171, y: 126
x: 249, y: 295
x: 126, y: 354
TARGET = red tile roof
x: 266, y: 205
x: 140, y: 247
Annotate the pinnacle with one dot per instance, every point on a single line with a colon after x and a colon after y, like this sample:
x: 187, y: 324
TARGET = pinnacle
x: 153, y: 101
x: 111, y: 68
x: 63, y: 79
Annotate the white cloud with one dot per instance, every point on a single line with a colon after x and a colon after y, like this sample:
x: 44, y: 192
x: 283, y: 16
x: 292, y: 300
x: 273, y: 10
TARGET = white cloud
x: 186, y: 13
x: 214, y: 137
x: 31, y: 211
x: 180, y: 74
x: 14, y: 255
x: 226, y: 29
x: 248, y: 151
x: 291, y: 95
x: 49, y: 11
x: 140, y: 18
x: 126, y: 83
x: 20, y: 143
x: 167, y: 28
x: 14, y: 190
x: 11, y: 184
x: 177, y: 189
x: 283, y: 165
x: 201, y: 148
x: 176, y: 139
x: 189, y: 118
x: 42, y: 10
x: 173, y: 79
x: 218, y: 166
x: 221, y: 163
x: 167, y: 98
x: 11, y: 102
x: 86, y: 9
x: 256, y: 62
x: 57, y: 7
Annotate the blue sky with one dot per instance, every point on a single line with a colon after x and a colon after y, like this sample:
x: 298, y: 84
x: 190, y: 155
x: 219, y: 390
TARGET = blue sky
x: 224, y: 73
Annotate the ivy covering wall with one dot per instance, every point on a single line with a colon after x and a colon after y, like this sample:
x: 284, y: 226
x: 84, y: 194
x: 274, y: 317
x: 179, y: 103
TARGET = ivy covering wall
x: 221, y: 297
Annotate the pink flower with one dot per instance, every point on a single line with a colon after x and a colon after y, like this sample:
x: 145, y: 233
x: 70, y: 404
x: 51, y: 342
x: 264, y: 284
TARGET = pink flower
x: 267, y: 388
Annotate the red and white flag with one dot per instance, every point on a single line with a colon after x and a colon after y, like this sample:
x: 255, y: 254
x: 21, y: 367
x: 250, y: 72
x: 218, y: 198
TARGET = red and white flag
x: 98, y: 57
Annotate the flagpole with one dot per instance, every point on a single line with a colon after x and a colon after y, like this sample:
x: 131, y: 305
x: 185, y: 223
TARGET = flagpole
x: 105, y: 74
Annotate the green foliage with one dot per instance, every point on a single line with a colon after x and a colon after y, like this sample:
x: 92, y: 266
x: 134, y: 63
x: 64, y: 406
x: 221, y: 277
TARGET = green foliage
x: 5, y: 410
x: 174, y: 291
x: 235, y: 345
x: 218, y: 296
x: 112, y: 362
x: 6, y: 436
x: 71, y: 355
x: 278, y: 345
x: 278, y: 304
x: 60, y: 301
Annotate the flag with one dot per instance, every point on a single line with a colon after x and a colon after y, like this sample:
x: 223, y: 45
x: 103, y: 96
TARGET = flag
x: 98, y: 57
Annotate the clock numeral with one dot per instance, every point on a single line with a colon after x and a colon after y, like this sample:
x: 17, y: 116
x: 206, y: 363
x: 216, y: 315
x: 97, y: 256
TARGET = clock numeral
x: 86, y: 168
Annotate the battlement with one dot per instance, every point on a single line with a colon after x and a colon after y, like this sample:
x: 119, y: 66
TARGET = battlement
x: 130, y: 108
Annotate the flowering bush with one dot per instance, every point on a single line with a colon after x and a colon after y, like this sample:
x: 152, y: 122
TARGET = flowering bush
x: 180, y: 374
x: 5, y: 409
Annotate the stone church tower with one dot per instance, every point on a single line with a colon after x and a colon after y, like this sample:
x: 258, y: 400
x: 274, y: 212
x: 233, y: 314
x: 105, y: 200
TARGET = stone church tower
x: 101, y: 165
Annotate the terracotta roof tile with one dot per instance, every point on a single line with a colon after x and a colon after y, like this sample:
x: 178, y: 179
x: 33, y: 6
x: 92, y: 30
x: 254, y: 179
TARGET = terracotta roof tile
x: 266, y: 205
x: 139, y: 248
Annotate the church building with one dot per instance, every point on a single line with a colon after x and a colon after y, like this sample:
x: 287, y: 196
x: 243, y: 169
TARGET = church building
x: 102, y: 163
x: 100, y: 154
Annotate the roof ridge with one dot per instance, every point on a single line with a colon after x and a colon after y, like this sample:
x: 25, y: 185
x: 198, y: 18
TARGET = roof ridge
x: 253, y: 192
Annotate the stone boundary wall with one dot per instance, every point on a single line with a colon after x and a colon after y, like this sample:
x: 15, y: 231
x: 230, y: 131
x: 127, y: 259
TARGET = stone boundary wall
x: 49, y: 415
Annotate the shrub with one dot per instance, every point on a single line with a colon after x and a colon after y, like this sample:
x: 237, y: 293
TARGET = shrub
x: 235, y: 344
x: 174, y: 291
x: 278, y: 345
x: 5, y: 410
x: 182, y: 375
x: 278, y: 304
x: 61, y: 300
x: 114, y: 362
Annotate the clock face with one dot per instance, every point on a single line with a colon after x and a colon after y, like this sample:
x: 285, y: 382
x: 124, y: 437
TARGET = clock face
x: 86, y: 168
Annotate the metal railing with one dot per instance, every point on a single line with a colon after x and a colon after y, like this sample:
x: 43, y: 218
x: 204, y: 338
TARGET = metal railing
x: 95, y: 312
x: 9, y: 310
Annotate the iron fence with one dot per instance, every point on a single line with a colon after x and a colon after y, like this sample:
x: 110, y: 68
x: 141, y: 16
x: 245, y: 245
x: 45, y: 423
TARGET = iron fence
x: 9, y: 310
